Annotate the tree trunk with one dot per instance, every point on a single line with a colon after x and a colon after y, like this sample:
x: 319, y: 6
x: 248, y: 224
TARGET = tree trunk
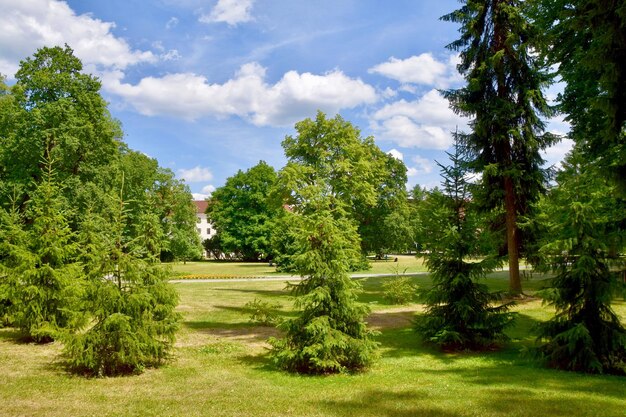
x: 515, y: 283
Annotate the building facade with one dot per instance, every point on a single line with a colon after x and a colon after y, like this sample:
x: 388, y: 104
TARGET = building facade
x: 203, y: 226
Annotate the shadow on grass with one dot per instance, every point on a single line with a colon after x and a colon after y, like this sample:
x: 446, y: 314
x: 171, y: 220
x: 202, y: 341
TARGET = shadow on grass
x: 266, y: 293
x: 388, y: 404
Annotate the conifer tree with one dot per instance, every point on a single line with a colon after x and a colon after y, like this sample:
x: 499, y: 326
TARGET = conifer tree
x: 460, y: 313
x: 15, y: 258
x: 329, y: 335
x: 48, y: 281
x: 132, y: 305
x: 503, y: 97
x: 584, y: 242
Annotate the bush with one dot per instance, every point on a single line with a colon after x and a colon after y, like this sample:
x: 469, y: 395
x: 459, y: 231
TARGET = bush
x: 399, y: 290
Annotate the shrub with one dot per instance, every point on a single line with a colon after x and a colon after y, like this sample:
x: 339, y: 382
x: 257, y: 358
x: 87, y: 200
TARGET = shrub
x: 399, y: 290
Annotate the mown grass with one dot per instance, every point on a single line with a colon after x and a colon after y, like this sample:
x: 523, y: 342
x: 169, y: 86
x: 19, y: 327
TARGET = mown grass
x: 220, y: 368
x: 226, y: 269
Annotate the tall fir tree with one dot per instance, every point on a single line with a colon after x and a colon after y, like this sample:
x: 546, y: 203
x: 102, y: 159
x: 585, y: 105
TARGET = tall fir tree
x: 460, y: 311
x: 503, y: 98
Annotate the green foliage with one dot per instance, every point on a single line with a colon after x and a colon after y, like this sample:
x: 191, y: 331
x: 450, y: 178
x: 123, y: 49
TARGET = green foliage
x: 54, y: 110
x: 263, y: 312
x: 585, y: 41
x: 329, y: 335
x: 460, y: 313
x: 134, y: 322
x: 399, y: 290
x: 582, y: 249
x: 503, y: 97
x: 45, y: 282
x: 242, y: 214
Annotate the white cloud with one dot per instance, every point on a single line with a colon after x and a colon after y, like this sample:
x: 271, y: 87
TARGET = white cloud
x: 199, y: 196
x: 396, y: 154
x: 247, y: 95
x: 419, y: 69
x: 231, y: 12
x: 422, y: 165
x: 555, y: 154
x: 196, y: 174
x: 172, y: 23
x: 171, y: 55
x: 208, y: 189
x: 29, y: 25
x: 423, y: 123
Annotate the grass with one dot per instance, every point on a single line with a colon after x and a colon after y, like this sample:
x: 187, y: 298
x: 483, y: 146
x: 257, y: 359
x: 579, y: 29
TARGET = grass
x: 228, y: 269
x: 220, y: 368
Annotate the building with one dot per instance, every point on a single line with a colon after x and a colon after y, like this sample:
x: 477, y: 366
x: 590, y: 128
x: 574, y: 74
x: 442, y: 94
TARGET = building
x: 204, y: 228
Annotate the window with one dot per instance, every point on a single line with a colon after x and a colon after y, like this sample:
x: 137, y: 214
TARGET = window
x: 198, y: 219
x: 208, y: 231
x: 199, y: 231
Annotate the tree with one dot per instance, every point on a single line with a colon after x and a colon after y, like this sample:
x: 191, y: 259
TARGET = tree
x: 459, y: 314
x: 54, y: 109
x: 585, y: 41
x: 241, y: 212
x: 386, y: 226
x: 370, y: 183
x: 134, y: 322
x: 504, y: 99
x: 329, y: 335
x: 47, y: 281
x: 582, y: 246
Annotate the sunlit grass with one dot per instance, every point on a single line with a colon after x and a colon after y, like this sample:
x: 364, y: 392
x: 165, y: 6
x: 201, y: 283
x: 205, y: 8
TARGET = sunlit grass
x: 220, y: 368
x: 231, y: 269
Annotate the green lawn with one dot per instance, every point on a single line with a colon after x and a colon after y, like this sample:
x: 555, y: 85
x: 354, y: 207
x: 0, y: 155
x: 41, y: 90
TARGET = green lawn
x: 221, y: 368
x: 219, y: 269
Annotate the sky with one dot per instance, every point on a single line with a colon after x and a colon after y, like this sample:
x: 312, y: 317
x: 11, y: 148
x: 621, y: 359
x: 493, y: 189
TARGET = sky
x: 209, y: 87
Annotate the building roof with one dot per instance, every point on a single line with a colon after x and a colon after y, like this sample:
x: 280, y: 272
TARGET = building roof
x: 201, y: 206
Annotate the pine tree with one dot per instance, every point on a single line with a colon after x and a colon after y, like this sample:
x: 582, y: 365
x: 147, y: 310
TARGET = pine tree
x: 503, y: 97
x: 582, y: 251
x: 459, y: 312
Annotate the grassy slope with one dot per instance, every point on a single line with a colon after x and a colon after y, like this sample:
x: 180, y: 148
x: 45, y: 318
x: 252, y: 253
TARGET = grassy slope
x: 220, y: 369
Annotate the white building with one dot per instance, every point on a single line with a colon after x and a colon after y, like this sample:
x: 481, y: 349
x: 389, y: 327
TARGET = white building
x: 204, y: 228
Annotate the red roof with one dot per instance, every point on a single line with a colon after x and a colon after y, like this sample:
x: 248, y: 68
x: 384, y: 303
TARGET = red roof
x: 201, y: 206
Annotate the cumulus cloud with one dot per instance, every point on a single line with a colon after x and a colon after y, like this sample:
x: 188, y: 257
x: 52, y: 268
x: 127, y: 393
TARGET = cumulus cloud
x: 231, y: 12
x: 421, y: 166
x: 419, y: 69
x: 29, y: 25
x: 196, y: 174
x: 396, y: 154
x: 423, y: 123
x: 247, y: 95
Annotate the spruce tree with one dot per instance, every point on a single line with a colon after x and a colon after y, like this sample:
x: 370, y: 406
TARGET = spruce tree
x: 460, y: 313
x: 48, y: 281
x: 583, y: 252
x: 329, y: 335
x: 131, y: 303
x: 503, y: 98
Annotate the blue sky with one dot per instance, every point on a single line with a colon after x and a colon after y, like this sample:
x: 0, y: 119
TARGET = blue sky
x: 210, y: 87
